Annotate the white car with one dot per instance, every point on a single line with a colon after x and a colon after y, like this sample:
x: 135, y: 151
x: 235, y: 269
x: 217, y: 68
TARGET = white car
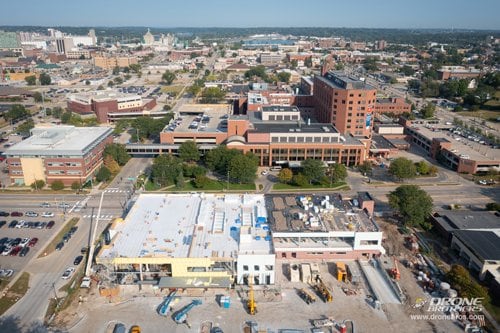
x: 47, y: 214
x: 264, y: 173
x: 68, y: 272
x: 31, y: 214
x: 45, y: 205
x: 5, y: 273
x: 24, y: 242
x: 20, y: 224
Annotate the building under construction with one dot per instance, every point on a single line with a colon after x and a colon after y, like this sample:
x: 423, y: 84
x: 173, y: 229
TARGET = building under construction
x: 192, y: 241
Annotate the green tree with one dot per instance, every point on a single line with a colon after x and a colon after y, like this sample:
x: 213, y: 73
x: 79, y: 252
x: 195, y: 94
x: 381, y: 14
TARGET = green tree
x: 57, y: 112
x: 407, y: 70
x: 118, y: 80
x: 87, y: 82
x: 284, y: 76
x: 300, y: 180
x: 116, y: 70
x: 413, y: 203
x: 492, y: 206
x: 422, y: 167
x: 402, y: 168
x: 337, y: 173
x: 218, y: 159
x: 179, y: 181
x: 165, y: 169
x: 308, y: 62
x: 460, y: 279
x: 243, y: 168
x: 201, y: 181
x: 45, y: 79
x: 365, y: 168
x: 285, y: 175
x: 25, y: 128
x: 168, y: 77
x: 428, y: 110
x: 103, y: 174
x: 136, y: 68
x: 37, y: 184
x: 111, y: 164
x: 188, y: 151
x: 75, y: 186
x: 212, y: 95
x: 313, y: 170
x: 66, y: 117
x: 259, y: 71
x: 57, y: 185
x: 16, y: 111
x: 37, y: 96
x: 370, y: 64
x: 118, y: 152
x: 31, y: 80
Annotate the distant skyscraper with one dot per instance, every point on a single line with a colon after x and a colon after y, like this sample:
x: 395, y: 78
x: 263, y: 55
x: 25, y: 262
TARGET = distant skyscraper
x: 381, y: 45
x: 93, y: 36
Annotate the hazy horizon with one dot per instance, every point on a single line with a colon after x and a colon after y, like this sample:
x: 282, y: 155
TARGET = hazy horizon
x: 403, y: 14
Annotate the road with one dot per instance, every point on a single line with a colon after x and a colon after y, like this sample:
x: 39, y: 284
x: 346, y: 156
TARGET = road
x: 46, y: 272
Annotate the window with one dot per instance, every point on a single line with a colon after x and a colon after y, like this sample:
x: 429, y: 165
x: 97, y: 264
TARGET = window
x: 269, y: 267
x: 351, y: 95
x: 245, y: 267
x: 256, y: 268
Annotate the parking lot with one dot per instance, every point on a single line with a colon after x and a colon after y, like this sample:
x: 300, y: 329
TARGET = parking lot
x: 16, y: 229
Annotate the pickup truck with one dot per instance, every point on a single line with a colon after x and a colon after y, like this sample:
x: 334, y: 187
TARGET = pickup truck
x: 85, y: 282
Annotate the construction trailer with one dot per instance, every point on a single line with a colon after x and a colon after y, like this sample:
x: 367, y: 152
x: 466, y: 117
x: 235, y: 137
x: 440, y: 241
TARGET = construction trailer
x: 305, y: 270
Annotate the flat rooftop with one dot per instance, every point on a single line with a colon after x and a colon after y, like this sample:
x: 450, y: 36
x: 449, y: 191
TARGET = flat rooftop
x: 484, y: 244
x: 288, y: 127
x: 340, y: 80
x: 60, y: 140
x: 460, y: 145
x: 467, y: 220
x: 196, y: 225
x: 316, y: 213
x: 192, y: 118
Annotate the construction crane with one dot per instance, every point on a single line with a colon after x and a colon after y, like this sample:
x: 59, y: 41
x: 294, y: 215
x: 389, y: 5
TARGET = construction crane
x: 322, y: 290
x: 165, y: 306
x: 251, y: 305
x: 181, y: 316
x: 395, y: 274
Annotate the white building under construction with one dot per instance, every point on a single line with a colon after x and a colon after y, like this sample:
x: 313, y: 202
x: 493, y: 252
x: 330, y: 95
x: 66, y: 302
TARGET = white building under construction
x: 192, y: 240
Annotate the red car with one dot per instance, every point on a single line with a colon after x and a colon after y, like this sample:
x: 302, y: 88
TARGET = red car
x: 16, y: 214
x: 50, y: 225
x: 15, y: 250
x: 33, y: 242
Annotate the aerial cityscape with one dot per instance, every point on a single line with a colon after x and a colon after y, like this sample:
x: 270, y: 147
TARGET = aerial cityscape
x: 259, y: 167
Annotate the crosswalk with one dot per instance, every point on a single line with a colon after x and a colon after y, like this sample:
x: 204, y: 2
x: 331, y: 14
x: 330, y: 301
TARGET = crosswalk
x: 103, y: 217
x: 80, y: 204
x: 115, y: 190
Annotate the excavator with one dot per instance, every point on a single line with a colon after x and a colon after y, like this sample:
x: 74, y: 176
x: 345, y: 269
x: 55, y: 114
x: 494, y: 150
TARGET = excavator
x: 181, y: 316
x: 395, y: 274
x: 251, y: 305
x: 322, y: 290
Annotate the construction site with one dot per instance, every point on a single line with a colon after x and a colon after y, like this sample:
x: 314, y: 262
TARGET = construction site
x: 341, y: 281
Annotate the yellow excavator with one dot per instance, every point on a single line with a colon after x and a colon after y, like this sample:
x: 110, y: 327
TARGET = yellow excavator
x: 252, y: 306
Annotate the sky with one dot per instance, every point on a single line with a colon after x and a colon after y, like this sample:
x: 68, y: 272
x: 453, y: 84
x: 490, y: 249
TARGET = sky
x: 457, y: 14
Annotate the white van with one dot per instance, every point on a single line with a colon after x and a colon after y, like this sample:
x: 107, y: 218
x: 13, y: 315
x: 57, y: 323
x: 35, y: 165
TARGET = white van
x: 275, y: 168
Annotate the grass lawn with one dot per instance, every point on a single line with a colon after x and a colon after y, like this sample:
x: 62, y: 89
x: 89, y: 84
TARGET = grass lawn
x: 484, y: 114
x: 215, y: 185
x: 336, y: 186
x: 151, y: 186
x: 15, y: 293
x: 52, y: 246
x: 169, y: 89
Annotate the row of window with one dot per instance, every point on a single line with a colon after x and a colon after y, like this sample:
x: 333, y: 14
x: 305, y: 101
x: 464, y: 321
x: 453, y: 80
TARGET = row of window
x: 70, y: 164
x: 257, y: 267
x: 301, y: 139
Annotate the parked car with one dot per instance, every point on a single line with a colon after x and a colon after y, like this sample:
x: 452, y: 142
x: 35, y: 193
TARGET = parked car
x: 17, y: 214
x: 33, y: 242
x: 20, y: 224
x: 68, y: 272
x: 2, y: 213
x: 13, y: 224
x: 25, y: 241
x: 45, y: 205
x: 4, y: 240
x: 6, y: 250
x: 78, y: 260
x: 24, y: 251
x: 50, y: 225
x: 66, y: 237
x: 31, y: 214
x: 119, y: 328
x: 47, y: 214
x: 15, y: 250
x: 16, y: 241
x: 59, y: 246
x: 63, y: 205
x: 84, y: 250
x: 5, y: 273
x: 73, y: 230
x: 2, y: 223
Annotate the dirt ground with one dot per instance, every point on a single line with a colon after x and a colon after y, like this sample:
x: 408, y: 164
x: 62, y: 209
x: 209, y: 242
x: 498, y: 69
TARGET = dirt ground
x: 280, y: 308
